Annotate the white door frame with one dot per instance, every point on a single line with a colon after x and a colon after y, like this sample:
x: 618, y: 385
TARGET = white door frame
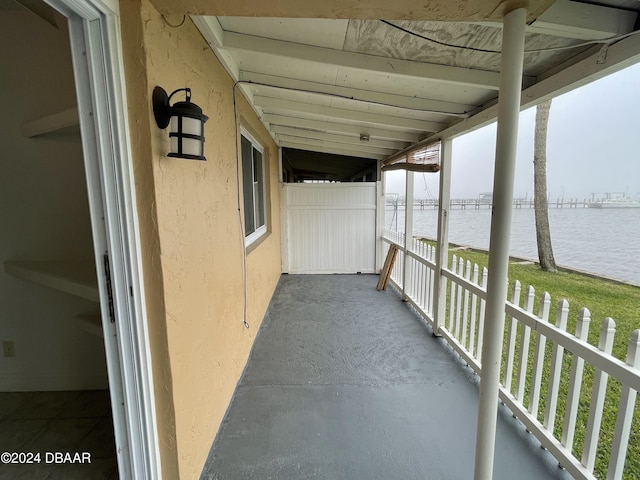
x: 96, y: 51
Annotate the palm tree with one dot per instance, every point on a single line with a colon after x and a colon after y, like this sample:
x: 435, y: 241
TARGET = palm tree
x: 543, y: 234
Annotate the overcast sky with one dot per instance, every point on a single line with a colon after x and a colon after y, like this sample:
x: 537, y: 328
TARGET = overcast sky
x: 593, y: 145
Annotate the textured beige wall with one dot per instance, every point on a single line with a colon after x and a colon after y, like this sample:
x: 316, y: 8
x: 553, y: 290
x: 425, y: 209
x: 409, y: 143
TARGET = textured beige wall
x: 192, y: 236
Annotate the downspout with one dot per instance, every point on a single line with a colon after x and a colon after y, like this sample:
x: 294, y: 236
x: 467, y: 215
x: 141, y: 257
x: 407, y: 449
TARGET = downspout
x: 508, y: 113
x: 442, y: 241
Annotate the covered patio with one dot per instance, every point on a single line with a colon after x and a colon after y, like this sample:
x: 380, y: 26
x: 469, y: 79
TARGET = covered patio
x: 399, y: 93
x: 307, y: 105
x: 347, y: 382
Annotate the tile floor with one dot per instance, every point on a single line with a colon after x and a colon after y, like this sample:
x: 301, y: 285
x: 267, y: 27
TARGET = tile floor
x: 58, y: 422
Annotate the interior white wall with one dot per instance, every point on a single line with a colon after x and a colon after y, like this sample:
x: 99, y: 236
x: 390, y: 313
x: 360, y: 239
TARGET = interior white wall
x: 44, y: 213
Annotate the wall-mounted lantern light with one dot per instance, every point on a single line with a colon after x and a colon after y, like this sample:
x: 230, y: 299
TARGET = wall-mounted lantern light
x: 187, y: 123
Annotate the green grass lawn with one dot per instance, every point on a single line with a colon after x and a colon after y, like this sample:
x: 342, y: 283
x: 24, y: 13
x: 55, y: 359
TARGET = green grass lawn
x: 603, y: 299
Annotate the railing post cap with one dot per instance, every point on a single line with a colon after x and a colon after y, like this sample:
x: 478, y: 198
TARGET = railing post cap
x: 584, y: 312
x: 608, y: 324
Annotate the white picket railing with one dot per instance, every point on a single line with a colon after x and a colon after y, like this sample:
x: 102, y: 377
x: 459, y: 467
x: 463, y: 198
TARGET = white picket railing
x: 526, y: 357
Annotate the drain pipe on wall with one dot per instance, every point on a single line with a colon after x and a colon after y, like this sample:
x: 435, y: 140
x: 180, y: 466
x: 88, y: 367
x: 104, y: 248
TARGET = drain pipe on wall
x: 245, y: 322
x: 506, y: 142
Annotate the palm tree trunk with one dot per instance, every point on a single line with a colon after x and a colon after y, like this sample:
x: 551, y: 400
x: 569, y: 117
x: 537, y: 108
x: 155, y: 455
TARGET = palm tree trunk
x: 543, y: 233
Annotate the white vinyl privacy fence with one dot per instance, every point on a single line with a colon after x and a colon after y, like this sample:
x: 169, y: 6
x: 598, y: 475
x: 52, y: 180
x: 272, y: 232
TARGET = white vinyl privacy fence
x: 555, y: 382
x: 329, y: 227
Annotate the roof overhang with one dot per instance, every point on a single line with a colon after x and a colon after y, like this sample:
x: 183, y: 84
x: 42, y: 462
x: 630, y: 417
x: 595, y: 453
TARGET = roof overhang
x: 322, y: 83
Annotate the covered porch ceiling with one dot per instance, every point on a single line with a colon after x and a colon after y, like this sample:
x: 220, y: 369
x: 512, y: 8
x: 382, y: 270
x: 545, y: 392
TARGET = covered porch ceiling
x: 382, y: 79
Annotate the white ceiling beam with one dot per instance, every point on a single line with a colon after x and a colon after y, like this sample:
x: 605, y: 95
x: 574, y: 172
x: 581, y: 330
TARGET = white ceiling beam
x: 211, y: 29
x: 337, y: 138
x: 464, y: 77
x: 331, y: 127
x: 363, y: 148
x: 579, y: 21
x: 400, y: 101
x: 277, y: 105
x: 608, y: 60
x: 213, y: 33
x: 583, y: 21
x: 332, y: 150
x: 346, y: 104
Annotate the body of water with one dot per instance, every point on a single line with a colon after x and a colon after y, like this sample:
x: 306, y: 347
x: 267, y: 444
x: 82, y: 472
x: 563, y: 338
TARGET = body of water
x: 602, y: 241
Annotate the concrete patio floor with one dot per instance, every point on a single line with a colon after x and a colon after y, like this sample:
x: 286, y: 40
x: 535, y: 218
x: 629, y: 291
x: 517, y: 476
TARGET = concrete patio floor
x: 345, y: 382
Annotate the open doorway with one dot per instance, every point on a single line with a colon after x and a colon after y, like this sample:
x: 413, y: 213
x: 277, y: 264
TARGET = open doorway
x: 329, y: 213
x: 54, y: 391
x: 319, y: 167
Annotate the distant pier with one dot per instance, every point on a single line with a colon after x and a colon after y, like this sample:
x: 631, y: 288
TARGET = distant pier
x: 479, y: 203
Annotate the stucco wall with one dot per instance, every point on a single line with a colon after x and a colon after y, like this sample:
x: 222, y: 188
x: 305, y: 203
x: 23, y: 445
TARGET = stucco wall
x: 192, y: 236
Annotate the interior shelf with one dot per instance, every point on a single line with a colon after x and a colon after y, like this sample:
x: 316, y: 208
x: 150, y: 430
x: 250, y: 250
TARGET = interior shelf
x: 74, y: 277
x: 90, y: 323
x: 65, y: 123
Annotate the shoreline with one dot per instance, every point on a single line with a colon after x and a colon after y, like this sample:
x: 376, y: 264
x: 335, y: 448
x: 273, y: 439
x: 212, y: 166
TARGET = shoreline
x: 516, y: 259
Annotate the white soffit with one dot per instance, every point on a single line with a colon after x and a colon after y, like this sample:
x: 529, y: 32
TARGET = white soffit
x: 415, y: 87
x: 584, y: 21
x: 318, y: 84
x: 249, y: 61
x: 347, y: 104
x: 321, y: 32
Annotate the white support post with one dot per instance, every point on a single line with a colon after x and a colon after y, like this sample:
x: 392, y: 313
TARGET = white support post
x: 508, y: 112
x: 442, y: 243
x: 408, y: 230
x: 381, y: 212
x: 624, y: 418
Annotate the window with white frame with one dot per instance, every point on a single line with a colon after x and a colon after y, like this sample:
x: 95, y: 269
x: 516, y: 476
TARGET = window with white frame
x: 254, y: 188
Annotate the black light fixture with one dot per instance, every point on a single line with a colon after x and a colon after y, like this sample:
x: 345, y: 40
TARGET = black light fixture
x: 187, y: 123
